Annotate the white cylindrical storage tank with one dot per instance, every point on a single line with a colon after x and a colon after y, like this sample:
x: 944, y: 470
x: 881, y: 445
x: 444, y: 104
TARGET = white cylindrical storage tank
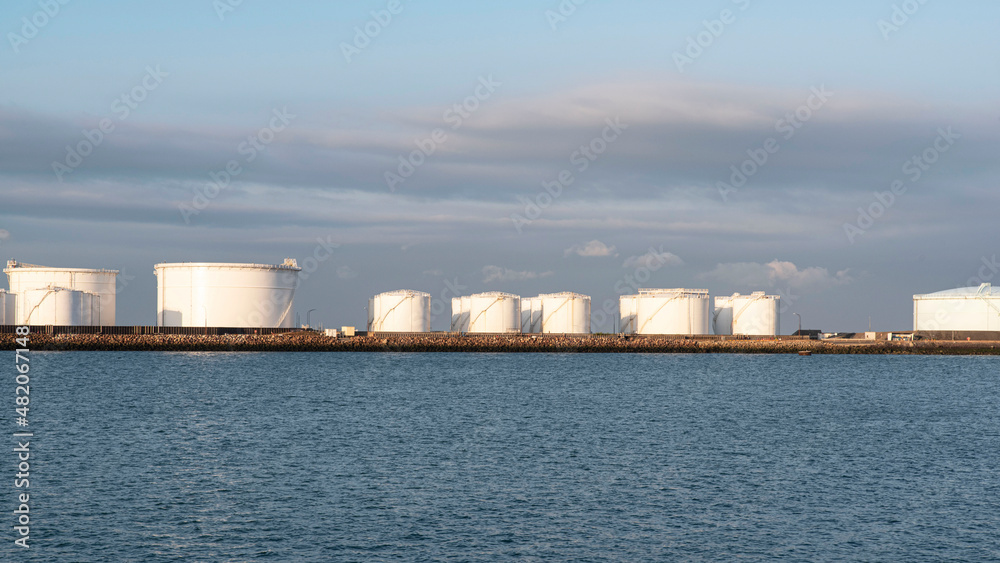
x: 466, y: 308
x: 59, y: 306
x: 494, y: 312
x: 722, y: 318
x: 8, y: 308
x: 565, y: 313
x: 971, y: 309
x: 403, y: 310
x: 526, y: 315
x: 456, y: 314
x: 531, y: 315
x: 756, y: 314
x: 203, y: 294
x: 626, y: 313
x: 536, y: 315
x: 672, y: 311
x: 24, y: 277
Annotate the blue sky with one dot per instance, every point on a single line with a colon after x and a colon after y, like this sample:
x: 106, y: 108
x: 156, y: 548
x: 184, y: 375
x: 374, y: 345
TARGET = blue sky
x: 656, y: 186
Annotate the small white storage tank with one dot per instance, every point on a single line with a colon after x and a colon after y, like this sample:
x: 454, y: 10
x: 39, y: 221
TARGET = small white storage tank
x: 756, y: 314
x: 25, y: 277
x: 565, y: 313
x: 626, y: 313
x: 404, y: 310
x: 536, y: 315
x: 59, y: 306
x: 531, y: 315
x: 8, y: 308
x: 673, y: 311
x: 466, y: 308
x: 494, y: 312
x: 196, y: 294
x: 456, y: 315
x: 963, y: 309
x: 722, y: 318
x: 460, y: 314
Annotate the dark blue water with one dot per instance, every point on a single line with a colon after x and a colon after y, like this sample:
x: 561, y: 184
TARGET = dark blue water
x: 153, y: 457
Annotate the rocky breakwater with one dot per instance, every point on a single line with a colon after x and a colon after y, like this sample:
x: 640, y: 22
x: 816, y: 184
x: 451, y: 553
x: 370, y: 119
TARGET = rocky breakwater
x: 316, y: 342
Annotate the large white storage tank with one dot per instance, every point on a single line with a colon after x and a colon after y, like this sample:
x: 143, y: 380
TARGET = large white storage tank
x: 673, y: 311
x: 964, y: 309
x: 756, y: 314
x: 8, y: 307
x: 25, y: 277
x: 404, y: 310
x: 59, y: 306
x: 531, y: 315
x: 204, y: 294
x: 565, y: 313
x: 627, y: 305
x: 494, y: 312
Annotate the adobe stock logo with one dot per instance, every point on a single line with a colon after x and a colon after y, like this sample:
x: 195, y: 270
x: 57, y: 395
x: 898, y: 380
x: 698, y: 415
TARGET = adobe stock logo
x: 455, y: 116
x: 759, y: 157
x: 901, y: 14
x: 30, y: 27
x: 365, y: 34
x: 914, y: 169
x: 703, y: 40
x: 122, y: 108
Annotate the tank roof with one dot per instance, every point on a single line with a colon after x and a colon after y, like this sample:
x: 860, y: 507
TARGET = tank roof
x: 14, y: 265
x: 984, y: 290
x: 405, y: 292
x: 289, y: 264
x: 565, y: 294
x: 678, y: 290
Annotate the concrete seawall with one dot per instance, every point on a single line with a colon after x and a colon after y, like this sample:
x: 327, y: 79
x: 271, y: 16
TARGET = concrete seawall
x: 315, y: 342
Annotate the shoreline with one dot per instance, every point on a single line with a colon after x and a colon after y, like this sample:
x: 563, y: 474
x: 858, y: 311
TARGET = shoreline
x: 316, y: 342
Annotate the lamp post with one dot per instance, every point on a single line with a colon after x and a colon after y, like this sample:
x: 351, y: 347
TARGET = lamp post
x: 308, y: 313
x: 800, y: 323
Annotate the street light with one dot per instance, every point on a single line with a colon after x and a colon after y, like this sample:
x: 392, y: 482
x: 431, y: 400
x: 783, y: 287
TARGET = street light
x: 800, y: 323
x: 309, y: 312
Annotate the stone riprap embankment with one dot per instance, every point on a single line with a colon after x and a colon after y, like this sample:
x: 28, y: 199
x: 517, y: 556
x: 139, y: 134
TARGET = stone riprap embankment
x: 316, y: 342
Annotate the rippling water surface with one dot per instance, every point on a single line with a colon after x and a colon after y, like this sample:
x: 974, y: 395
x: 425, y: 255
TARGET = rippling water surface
x: 153, y: 457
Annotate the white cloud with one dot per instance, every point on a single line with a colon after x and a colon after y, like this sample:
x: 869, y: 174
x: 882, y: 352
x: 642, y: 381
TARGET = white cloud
x: 752, y: 276
x: 653, y: 259
x: 496, y: 273
x: 592, y: 249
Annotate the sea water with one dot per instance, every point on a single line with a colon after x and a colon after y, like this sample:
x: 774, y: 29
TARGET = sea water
x: 152, y: 457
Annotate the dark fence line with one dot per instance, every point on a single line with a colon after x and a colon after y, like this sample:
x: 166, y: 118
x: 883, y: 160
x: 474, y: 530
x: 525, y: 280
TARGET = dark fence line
x: 209, y: 331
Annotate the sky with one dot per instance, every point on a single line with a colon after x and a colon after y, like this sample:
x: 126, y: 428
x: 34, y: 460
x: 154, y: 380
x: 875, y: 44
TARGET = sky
x: 842, y: 155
